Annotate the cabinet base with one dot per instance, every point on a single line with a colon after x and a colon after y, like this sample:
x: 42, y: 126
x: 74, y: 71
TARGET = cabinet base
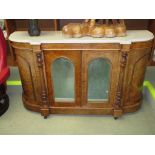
x: 33, y: 106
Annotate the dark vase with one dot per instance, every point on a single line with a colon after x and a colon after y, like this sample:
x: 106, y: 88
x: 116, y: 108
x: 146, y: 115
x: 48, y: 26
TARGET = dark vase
x: 33, y: 28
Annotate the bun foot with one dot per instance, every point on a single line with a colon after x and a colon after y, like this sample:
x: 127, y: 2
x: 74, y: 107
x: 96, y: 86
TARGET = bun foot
x: 45, y: 111
x: 115, y: 118
x: 45, y: 117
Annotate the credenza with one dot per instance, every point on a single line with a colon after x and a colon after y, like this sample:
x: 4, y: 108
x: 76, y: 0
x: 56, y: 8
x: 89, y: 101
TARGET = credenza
x: 62, y: 75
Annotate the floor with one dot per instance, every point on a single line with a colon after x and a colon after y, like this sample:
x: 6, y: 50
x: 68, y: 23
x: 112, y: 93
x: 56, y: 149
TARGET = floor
x: 17, y: 120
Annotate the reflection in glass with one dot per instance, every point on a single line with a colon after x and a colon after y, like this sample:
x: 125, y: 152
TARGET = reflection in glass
x: 98, y: 80
x: 63, y: 80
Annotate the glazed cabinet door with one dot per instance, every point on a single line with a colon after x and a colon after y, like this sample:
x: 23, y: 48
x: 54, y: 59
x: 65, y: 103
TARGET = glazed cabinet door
x: 100, y: 70
x: 63, y: 72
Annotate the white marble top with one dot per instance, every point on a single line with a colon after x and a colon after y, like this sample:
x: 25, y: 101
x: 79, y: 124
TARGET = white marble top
x: 59, y: 37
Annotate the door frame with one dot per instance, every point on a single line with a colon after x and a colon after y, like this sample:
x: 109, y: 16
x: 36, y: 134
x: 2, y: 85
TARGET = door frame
x: 113, y: 57
x: 73, y: 56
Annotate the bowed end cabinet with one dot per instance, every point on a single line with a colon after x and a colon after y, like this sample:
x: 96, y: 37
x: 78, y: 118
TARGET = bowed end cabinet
x: 62, y: 75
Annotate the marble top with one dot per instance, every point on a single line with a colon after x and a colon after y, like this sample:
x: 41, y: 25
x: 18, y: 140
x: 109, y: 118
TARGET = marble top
x: 59, y: 37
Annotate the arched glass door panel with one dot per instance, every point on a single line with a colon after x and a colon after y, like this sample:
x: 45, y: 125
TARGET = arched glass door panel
x: 98, y: 80
x: 63, y: 80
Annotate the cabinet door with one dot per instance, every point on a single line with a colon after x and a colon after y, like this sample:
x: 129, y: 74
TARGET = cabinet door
x: 100, y: 78
x: 63, y: 72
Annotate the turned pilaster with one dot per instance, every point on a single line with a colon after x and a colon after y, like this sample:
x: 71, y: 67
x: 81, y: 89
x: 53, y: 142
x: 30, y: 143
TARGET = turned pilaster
x: 123, y: 61
x: 44, y: 95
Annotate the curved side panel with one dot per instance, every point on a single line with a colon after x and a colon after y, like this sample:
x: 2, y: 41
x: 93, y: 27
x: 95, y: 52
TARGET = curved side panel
x: 135, y: 73
x: 26, y: 77
x: 137, y: 79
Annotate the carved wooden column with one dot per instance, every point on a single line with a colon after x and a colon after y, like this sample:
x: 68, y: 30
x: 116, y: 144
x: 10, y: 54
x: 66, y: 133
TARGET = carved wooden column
x: 118, y: 111
x: 44, y: 96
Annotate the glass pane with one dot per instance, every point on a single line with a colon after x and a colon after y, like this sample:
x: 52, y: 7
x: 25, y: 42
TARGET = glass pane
x: 63, y: 80
x: 98, y: 80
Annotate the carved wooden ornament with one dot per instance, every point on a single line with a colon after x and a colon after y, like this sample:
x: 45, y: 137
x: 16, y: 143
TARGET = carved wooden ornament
x: 89, y: 27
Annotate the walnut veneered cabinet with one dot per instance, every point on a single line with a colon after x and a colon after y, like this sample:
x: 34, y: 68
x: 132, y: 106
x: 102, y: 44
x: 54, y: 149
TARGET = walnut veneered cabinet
x: 82, y: 75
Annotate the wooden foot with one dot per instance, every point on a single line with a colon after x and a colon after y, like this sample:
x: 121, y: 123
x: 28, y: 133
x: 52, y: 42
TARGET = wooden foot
x: 45, y: 112
x: 115, y: 118
x: 45, y: 117
x: 117, y: 113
